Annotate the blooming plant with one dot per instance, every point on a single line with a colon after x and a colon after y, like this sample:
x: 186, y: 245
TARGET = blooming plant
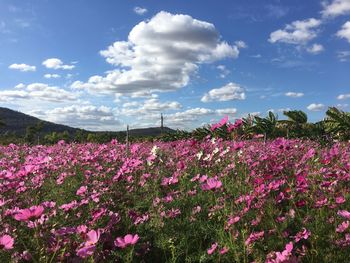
x: 184, y: 201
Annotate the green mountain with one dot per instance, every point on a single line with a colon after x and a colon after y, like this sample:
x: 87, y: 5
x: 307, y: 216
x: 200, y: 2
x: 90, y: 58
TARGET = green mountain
x: 17, y: 123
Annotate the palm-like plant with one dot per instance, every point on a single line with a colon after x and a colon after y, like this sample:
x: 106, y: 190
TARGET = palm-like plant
x: 267, y: 125
x: 338, y: 123
x: 296, y: 122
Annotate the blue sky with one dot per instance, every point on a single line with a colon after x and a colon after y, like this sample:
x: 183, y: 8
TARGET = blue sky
x: 101, y: 65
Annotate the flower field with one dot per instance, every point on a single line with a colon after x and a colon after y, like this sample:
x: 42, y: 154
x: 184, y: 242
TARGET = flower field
x: 184, y: 201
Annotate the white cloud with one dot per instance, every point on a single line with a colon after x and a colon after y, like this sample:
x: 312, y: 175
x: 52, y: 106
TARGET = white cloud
x: 55, y: 63
x: 224, y: 71
x: 187, y: 118
x: 298, y: 32
x: 22, y: 67
x: 336, y: 8
x: 344, y: 32
x: 316, y: 107
x: 278, y: 110
x: 51, y: 76
x: 37, y: 91
x: 315, y: 49
x: 241, y: 44
x: 294, y: 94
x: 342, y: 106
x: 149, y: 106
x: 343, y: 96
x: 87, y: 116
x: 231, y: 91
x: 10, y: 95
x: 140, y: 11
x: 20, y: 86
x: 161, y: 54
x: 343, y: 56
x: 228, y: 111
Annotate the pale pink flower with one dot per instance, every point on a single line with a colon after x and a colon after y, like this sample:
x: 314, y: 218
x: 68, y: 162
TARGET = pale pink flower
x: 129, y: 239
x: 6, y: 242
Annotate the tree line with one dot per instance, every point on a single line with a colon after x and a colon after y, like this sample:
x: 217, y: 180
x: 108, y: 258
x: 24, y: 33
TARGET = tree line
x: 335, y: 126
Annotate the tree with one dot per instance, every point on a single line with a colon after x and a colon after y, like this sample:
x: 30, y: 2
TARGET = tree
x: 267, y: 125
x: 296, y: 124
x: 338, y: 123
x: 32, y: 131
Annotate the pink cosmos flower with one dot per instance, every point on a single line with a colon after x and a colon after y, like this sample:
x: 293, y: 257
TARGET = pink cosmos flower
x: 285, y: 254
x: 29, y: 213
x: 2, y: 202
x: 339, y: 200
x: 344, y: 214
x: 211, y: 183
x: 88, y: 247
x: 342, y: 227
x: 82, y: 190
x: 6, y: 242
x: 254, y: 237
x: 304, y: 234
x: 232, y: 220
x: 224, y: 250
x: 212, y: 249
x: 221, y: 123
x: 129, y: 239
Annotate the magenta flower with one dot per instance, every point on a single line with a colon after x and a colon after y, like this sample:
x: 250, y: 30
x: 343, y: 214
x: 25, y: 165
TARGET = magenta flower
x: 6, y: 242
x: 211, y: 183
x: 212, y: 249
x: 304, y: 234
x: 254, y: 237
x: 29, y: 213
x: 344, y: 214
x: 342, y: 227
x: 221, y: 123
x: 285, y: 254
x: 224, y: 250
x: 129, y: 239
x: 82, y: 190
x: 339, y: 200
x: 88, y: 247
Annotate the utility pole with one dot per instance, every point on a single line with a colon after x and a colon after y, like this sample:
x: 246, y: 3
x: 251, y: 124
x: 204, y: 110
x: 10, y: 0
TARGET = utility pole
x: 161, y: 123
x: 127, y: 139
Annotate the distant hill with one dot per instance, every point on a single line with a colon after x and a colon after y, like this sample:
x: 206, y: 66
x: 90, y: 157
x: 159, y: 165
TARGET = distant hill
x: 17, y: 122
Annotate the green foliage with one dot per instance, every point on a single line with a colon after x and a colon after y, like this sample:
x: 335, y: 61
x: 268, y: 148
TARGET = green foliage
x: 338, y: 123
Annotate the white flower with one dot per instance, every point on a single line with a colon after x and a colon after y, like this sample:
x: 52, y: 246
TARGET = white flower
x: 199, y: 155
x: 206, y: 158
x: 216, y: 150
x: 154, y: 150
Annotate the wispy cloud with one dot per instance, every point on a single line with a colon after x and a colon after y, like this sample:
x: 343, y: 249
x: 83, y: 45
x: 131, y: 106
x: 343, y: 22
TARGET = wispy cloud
x: 140, y: 10
x: 22, y: 67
